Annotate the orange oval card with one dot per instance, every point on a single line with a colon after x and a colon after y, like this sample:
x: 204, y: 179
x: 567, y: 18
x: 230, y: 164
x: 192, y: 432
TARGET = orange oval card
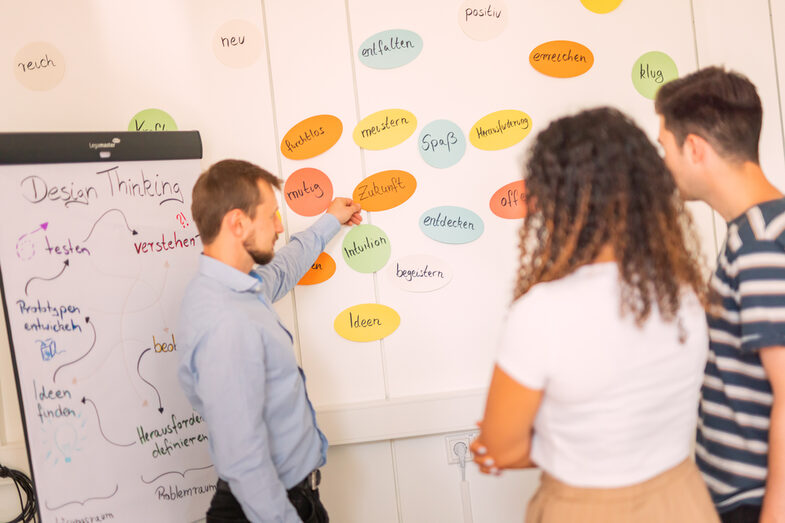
x: 311, y: 137
x: 321, y: 270
x: 561, y: 58
x: 384, y: 190
x: 510, y: 201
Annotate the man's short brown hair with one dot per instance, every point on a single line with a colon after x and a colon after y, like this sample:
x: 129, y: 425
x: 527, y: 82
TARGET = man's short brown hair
x: 722, y: 107
x: 225, y: 186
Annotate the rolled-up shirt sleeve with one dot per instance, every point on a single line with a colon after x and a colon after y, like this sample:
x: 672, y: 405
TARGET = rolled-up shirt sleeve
x: 293, y: 260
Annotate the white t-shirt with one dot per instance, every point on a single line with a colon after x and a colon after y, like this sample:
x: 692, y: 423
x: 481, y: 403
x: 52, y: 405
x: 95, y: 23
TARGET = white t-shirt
x: 620, y: 402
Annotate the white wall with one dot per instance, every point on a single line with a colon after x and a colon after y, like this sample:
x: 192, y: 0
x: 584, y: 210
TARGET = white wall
x: 403, y: 480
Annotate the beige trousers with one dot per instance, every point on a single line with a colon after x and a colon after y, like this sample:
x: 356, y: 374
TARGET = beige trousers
x: 674, y: 496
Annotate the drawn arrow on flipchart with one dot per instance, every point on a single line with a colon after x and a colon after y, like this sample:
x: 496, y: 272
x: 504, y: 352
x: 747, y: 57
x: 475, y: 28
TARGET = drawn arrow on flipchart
x: 65, y: 266
x: 116, y: 488
x: 183, y: 473
x: 92, y: 346
x: 98, y: 417
x: 133, y: 231
x: 41, y: 227
x: 160, y: 407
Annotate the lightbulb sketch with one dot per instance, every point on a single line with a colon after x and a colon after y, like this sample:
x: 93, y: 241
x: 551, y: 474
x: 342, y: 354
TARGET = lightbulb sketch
x: 63, y: 440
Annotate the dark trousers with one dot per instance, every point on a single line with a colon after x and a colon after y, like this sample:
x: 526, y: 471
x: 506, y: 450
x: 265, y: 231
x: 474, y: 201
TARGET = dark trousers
x: 742, y: 514
x: 224, y: 507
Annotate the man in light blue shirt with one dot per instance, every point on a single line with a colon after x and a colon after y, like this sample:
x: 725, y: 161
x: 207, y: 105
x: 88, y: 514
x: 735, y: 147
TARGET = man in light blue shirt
x: 237, y: 366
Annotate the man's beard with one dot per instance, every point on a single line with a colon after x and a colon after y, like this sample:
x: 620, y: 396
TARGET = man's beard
x: 259, y: 257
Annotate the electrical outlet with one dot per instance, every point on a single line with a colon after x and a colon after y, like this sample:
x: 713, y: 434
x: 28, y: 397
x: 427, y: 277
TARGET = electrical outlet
x: 450, y: 441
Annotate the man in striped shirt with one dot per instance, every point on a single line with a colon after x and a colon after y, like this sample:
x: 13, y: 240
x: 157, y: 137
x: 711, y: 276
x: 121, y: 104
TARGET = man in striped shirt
x: 710, y: 125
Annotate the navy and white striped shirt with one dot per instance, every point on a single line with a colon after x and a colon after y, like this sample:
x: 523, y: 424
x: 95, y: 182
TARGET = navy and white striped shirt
x: 736, y: 398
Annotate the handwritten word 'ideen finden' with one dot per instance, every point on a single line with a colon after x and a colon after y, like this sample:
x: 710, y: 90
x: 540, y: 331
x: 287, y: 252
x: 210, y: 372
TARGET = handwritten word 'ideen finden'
x: 380, y: 46
x: 45, y: 394
x: 500, y: 127
x: 36, y: 189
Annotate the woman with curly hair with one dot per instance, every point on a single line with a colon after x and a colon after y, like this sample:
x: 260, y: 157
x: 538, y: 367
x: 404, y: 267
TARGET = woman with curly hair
x: 601, y: 359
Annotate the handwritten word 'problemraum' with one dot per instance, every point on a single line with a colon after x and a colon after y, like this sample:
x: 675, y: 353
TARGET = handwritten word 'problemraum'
x: 36, y: 189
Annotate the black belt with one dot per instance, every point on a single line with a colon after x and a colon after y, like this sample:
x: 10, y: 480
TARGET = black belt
x: 311, y: 482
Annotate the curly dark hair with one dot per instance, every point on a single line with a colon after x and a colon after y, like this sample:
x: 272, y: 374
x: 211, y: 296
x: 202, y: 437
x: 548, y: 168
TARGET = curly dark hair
x: 595, y: 179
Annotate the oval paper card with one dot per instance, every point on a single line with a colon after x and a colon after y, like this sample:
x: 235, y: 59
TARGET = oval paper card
x: 384, y: 129
x: 366, y: 322
x: 366, y: 248
x: 384, y: 190
x: 561, y: 58
x: 509, y: 201
x: 421, y: 273
x: 311, y: 137
x: 449, y: 224
x: 321, y: 270
x: 500, y: 130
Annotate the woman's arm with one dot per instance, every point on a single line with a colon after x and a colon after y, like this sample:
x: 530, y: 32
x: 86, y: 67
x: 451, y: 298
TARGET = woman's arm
x: 506, y: 429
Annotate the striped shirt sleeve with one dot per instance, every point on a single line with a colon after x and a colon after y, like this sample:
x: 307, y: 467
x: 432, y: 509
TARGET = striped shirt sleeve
x: 761, y: 293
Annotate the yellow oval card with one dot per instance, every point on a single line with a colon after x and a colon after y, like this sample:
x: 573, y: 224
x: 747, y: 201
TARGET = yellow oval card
x: 384, y: 190
x: 561, y: 58
x: 366, y: 322
x: 384, y: 129
x: 500, y: 130
x: 311, y: 137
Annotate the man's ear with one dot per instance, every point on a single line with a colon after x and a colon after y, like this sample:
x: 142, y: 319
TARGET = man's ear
x: 696, y: 149
x: 234, y: 222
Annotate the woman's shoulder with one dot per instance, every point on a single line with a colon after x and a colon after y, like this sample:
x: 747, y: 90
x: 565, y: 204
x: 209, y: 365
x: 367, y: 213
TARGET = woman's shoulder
x: 578, y: 287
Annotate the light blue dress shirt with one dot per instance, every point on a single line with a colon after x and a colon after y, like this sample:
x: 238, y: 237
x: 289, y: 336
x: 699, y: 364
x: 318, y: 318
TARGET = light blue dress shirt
x: 238, y: 369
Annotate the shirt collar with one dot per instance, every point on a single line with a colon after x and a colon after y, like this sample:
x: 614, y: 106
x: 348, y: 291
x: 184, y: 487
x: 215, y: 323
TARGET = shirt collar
x: 228, y: 275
